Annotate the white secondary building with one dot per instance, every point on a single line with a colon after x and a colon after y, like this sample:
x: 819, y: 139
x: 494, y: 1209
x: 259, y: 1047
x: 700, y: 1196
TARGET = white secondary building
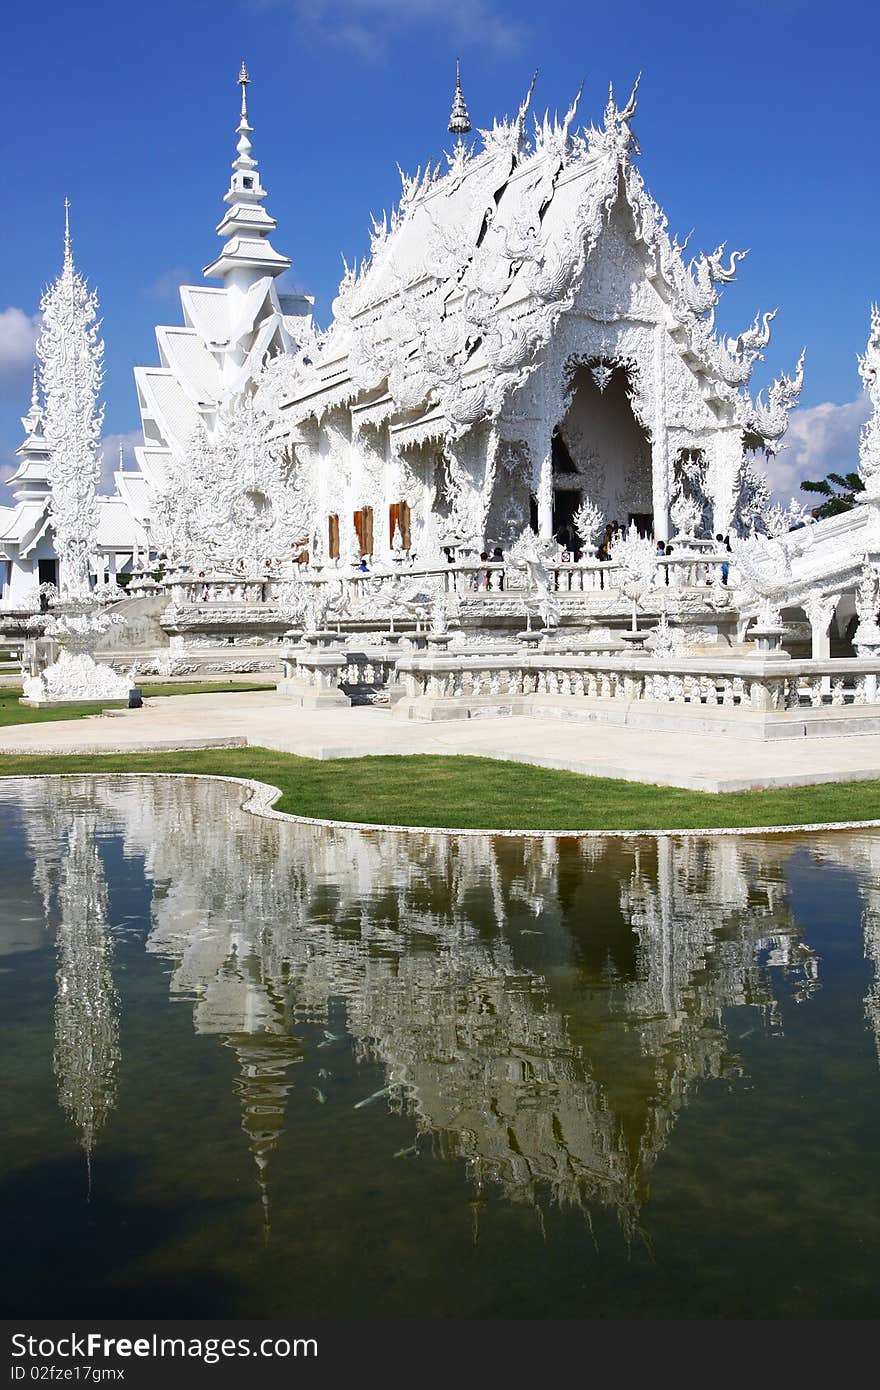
x: 28, y: 556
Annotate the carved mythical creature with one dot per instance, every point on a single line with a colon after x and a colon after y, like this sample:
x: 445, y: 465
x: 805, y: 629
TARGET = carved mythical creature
x: 765, y: 567
x: 534, y: 554
x: 769, y: 419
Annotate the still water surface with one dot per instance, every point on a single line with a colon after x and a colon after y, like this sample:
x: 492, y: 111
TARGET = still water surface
x: 259, y: 1069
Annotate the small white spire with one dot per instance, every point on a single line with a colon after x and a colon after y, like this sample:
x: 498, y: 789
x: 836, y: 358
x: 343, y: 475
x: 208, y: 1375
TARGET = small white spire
x: 243, y: 81
x: 68, y: 253
x: 246, y: 225
x: 459, y: 119
x: 244, y: 130
x: 35, y: 392
x: 121, y: 456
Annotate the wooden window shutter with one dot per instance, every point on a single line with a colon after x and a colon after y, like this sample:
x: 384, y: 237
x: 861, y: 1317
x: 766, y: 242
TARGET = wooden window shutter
x: 333, y: 536
x: 363, y: 525
x: 398, y: 515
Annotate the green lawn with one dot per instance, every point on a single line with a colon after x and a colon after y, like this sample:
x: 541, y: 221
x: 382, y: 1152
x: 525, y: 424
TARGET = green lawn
x: 11, y: 712
x: 479, y: 792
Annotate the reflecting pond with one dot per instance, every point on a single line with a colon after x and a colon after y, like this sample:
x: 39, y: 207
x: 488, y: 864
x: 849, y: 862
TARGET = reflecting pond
x: 259, y: 1069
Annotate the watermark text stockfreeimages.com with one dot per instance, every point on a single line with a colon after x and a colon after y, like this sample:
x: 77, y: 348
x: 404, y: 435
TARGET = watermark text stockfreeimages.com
x: 34, y: 1358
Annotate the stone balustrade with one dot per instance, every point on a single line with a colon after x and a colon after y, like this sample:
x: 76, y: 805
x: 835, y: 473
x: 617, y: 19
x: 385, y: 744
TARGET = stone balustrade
x: 680, y: 571
x: 356, y: 675
x: 214, y: 589
x: 458, y: 686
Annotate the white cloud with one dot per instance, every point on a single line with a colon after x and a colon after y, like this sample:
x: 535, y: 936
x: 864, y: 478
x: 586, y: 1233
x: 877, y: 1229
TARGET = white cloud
x: 367, y: 26
x: 18, y: 335
x: 110, y: 456
x: 166, y: 286
x: 820, y: 439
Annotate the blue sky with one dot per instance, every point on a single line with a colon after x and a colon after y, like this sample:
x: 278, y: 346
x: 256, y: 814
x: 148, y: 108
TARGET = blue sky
x: 758, y: 123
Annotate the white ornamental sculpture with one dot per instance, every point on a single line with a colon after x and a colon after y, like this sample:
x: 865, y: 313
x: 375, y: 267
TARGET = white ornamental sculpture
x: 589, y: 522
x: 867, y: 635
x: 75, y: 676
x: 869, y: 443
x: 71, y: 372
x: 636, y: 558
x: 686, y: 513
x: 535, y: 554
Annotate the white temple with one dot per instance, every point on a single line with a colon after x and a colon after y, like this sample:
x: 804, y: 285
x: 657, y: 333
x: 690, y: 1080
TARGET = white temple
x: 520, y: 411
x: 524, y: 335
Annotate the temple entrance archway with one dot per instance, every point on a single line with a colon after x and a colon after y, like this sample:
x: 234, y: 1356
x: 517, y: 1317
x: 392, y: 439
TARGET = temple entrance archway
x: 601, y: 451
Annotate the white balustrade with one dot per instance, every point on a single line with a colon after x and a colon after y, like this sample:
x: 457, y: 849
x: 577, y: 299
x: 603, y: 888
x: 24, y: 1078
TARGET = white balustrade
x: 761, y: 686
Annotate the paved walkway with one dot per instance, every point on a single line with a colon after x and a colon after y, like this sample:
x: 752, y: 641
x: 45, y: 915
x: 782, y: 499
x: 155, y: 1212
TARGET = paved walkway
x: 704, y: 762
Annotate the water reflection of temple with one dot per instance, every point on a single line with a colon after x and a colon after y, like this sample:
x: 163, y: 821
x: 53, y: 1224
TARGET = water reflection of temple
x: 541, y: 1008
x: 69, y: 877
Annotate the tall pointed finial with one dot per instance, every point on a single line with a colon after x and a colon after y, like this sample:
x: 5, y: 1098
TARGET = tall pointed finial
x: 459, y: 120
x: 243, y: 81
x: 121, y: 456
x: 244, y: 128
x: 67, y: 251
x: 246, y: 225
x: 35, y: 392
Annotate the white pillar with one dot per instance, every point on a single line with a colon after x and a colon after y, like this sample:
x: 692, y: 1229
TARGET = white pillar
x: 820, y: 632
x: 660, y: 441
x: 545, y: 495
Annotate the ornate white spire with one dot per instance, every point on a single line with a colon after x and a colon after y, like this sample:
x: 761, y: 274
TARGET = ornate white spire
x: 71, y: 356
x: 33, y: 415
x: 869, y: 444
x: 248, y: 253
x: 459, y: 119
x: 32, y: 475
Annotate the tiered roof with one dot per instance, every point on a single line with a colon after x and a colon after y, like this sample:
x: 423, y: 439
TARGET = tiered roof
x: 469, y: 275
x: 228, y: 331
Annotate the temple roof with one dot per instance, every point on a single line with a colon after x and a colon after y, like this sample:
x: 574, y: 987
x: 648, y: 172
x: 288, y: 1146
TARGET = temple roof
x: 468, y: 277
x: 117, y: 526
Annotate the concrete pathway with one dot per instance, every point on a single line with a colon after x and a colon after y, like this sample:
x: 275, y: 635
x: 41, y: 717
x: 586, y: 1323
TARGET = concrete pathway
x: 704, y: 762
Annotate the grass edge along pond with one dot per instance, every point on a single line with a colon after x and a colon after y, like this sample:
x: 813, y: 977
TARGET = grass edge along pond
x: 476, y: 793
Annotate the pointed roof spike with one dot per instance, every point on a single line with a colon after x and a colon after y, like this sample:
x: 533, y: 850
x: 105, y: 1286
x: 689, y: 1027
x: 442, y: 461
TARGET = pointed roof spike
x: 459, y: 119
x: 527, y: 101
x: 35, y: 392
x: 630, y: 109
x: 68, y: 254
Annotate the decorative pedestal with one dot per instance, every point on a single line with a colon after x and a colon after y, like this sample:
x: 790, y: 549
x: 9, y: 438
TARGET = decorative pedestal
x: 76, y: 680
x: 316, y: 683
x: 768, y: 641
x: 636, y: 640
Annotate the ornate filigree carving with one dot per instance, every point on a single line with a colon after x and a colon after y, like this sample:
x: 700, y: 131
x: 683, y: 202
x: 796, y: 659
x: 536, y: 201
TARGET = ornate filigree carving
x: 869, y: 442
x: 71, y: 373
